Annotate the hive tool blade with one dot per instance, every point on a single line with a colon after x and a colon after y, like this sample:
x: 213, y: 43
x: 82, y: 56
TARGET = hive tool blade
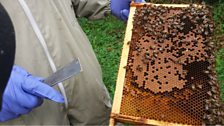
x: 64, y: 73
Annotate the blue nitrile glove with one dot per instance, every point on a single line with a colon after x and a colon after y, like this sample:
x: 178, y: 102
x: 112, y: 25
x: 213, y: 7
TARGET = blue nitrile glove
x: 120, y: 8
x: 23, y: 93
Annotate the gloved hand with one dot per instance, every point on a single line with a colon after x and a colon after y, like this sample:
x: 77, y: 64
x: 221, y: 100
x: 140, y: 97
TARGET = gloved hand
x: 120, y: 8
x: 23, y: 93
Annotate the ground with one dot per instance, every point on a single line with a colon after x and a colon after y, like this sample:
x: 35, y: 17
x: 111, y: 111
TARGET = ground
x: 106, y: 37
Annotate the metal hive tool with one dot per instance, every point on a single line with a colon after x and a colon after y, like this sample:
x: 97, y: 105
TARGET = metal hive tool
x: 169, y: 72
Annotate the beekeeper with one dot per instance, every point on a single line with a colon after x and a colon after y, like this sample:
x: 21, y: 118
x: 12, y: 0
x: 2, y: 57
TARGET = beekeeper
x: 48, y: 36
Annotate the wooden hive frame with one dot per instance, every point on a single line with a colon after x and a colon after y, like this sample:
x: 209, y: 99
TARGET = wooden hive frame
x: 115, y: 113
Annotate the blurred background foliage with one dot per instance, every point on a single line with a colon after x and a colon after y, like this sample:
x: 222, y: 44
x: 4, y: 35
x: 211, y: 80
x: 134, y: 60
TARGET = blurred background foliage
x: 106, y: 37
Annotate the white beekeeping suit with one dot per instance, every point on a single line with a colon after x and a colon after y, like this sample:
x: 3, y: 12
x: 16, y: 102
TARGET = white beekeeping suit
x: 48, y: 37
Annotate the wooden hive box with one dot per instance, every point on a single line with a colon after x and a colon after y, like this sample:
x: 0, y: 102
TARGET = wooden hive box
x: 166, y: 74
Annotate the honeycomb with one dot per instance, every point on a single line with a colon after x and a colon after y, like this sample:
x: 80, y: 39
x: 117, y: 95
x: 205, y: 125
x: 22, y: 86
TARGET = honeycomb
x: 170, y: 72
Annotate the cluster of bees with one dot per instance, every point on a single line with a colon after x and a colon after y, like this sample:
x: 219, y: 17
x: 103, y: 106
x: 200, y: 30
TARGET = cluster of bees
x: 172, y: 50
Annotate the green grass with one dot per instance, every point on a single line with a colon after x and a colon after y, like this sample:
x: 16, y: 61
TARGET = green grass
x: 106, y: 37
x: 220, y: 69
x: 219, y: 21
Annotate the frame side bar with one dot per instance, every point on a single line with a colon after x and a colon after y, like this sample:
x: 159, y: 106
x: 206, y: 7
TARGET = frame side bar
x: 123, y: 62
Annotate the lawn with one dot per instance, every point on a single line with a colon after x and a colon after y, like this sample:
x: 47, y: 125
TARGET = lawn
x: 106, y: 37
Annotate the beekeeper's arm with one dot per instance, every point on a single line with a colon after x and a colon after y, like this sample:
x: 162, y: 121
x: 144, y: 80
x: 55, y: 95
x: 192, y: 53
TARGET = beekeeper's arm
x: 96, y: 9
